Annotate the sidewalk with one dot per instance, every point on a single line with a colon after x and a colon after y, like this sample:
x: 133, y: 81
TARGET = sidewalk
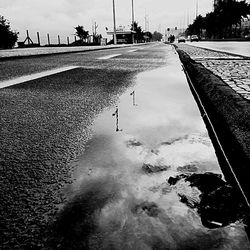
x: 222, y: 82
x: 26, y: 52
x: 233, y: 70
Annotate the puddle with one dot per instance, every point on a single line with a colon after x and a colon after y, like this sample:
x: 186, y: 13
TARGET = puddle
x: 122, y: 197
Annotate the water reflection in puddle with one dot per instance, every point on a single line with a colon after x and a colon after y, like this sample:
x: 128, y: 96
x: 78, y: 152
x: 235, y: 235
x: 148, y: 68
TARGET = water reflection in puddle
x: 121, y: 198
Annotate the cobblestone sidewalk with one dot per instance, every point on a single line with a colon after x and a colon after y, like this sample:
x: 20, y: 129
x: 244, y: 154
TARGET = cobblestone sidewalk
x: 233, y: 70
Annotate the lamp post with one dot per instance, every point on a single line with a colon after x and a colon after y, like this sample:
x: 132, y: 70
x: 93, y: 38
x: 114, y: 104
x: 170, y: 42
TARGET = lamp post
x: 115, y: 40
x: 196, y: 9
x: 133, y: 20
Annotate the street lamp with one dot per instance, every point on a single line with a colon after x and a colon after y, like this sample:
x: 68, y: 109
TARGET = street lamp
x: 133, y: 20
x: 196, y: 11
x: 115, y: 40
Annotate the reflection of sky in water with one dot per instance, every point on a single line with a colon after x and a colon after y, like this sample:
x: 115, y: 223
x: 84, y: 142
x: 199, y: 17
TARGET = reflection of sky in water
x: 165, y: 129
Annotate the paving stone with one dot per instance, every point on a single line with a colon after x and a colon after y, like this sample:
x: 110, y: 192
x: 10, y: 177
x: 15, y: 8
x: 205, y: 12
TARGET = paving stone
x: 234, y: 72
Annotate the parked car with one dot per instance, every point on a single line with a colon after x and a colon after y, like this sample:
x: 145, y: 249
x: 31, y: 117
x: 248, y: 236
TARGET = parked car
x: 247, y: 37
x: 181, y: 39
x: 194, y: 38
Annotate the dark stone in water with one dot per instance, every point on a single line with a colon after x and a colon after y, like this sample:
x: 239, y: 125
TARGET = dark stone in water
x: 133, y: 143
x: 189, y: 168
x: 150, y: 208
x: 206, y: 182
x: 221, y: 207
x: 173, y: 140
x: 219, y: 203
x: 148, y: 168
x: 174, y: 180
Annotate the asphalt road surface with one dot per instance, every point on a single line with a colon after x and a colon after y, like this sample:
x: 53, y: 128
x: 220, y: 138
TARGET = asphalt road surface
x: 97, y: 156
x: 45, y: 124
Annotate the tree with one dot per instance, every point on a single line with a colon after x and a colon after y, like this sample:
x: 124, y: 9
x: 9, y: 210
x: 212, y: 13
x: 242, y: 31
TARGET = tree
x: 147, y: 36
x: 196, y: 27
x: 212, y: 25
x: 8, y: 37
x: 81, y: 33
x: 157, y: 36
x: 139, y: 35
x: 231, y: 13
x: 220, y: 22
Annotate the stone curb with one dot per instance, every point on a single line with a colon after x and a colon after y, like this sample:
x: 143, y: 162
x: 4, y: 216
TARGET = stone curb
x: 230, y: 116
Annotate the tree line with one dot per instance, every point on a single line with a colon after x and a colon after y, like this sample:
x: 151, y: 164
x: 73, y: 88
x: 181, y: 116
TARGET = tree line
x: 223, y: 22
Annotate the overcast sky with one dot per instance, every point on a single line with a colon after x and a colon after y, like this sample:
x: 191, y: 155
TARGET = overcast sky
x: 59, y: 17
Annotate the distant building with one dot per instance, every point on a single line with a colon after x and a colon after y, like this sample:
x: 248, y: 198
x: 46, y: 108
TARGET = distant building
x: 123, y: 35
x: 103, y: 41
x: 174, y: 32
x: 95, y: 39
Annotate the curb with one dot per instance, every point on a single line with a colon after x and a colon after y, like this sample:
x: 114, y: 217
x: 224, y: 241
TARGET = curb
x: 230, y: 116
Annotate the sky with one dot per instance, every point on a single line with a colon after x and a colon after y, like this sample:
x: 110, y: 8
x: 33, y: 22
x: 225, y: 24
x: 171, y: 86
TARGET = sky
x: 59, y: 17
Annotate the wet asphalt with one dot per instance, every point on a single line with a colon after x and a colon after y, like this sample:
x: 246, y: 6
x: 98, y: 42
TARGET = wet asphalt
x: 86, y: 156
x: 45, y: 124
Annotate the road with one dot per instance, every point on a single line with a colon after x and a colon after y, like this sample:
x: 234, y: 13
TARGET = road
x: 238, y: 48
x: 97, y: 155
x: 49, y: 50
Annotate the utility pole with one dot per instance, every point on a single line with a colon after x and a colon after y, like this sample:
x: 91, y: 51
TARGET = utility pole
x: 94, y: 28
x: 159, y: 28
x: 94, y: 31
x: 115, y: 40
x: 196, y: 12
x: 133, y: 22
x: 146, y: 22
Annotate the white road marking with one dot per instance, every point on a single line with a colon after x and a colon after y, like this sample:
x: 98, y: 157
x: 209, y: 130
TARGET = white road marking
x: 26, y: 78
x: 132, y: 50
x: 108, y: 57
